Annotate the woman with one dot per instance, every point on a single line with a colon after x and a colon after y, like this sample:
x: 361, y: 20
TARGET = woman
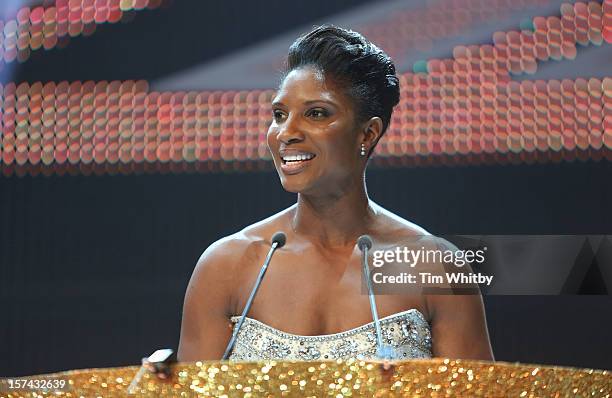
x: 332, y: 107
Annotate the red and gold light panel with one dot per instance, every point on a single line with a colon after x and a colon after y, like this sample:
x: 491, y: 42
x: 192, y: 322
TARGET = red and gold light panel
x: 45, y: 27
x: 464, y: 110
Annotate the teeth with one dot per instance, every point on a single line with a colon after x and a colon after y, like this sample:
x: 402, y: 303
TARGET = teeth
x: 296, y: 158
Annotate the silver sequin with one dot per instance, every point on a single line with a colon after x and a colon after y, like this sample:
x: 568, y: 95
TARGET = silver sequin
x: 408, y: 332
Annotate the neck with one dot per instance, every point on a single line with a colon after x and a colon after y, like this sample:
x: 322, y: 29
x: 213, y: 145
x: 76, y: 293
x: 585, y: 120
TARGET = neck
x: 335, y: 219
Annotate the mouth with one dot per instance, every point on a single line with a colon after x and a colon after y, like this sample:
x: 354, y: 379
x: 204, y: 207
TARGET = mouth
x: 295, y: 162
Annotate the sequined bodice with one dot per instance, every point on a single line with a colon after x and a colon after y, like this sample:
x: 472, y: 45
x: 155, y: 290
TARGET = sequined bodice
x: 408, y: 332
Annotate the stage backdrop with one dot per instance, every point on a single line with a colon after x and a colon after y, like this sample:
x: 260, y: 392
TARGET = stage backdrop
x: 93, y: 269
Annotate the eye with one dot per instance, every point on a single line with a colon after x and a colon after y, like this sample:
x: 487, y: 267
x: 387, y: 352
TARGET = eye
x: 317, y: 113
x: 278, y: 115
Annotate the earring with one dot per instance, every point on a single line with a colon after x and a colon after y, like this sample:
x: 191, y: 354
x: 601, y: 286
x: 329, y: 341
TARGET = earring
x: 363, y: 150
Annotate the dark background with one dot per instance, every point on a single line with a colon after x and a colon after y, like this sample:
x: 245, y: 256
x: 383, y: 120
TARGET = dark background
x: 154, y: 43
x: 93, y: 269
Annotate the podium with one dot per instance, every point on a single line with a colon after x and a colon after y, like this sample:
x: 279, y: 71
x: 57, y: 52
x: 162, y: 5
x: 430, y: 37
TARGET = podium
x: 342, y: 378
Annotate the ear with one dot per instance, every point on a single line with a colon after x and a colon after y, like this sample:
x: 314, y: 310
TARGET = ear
x: 372, y: 130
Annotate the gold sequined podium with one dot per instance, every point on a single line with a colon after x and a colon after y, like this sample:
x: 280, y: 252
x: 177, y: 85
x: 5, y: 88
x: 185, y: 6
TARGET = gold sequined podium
x: 415, y: 378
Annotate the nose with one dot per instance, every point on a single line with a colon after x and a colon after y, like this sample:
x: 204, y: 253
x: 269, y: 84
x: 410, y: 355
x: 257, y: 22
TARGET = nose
x: 289, y: 131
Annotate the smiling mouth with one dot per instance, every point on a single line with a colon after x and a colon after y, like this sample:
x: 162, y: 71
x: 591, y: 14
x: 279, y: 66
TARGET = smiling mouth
x: 296, y: 162
x: 297, y: 159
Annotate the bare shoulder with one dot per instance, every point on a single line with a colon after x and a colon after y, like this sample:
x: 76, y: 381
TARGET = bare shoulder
x: 242, y: 247
x: 450, y: 303
x: 213, y: 275
x: 402, y: 231
x: 436, y: 256
x: 218, y: 271
x: 224, y: 252
x: 393, y: 229
x: 263, y: 230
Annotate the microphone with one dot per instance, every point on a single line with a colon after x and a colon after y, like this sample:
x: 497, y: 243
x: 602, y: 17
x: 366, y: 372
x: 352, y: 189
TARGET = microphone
x: 384, y: 351
x: 278, y: 240
x: 364, y: 242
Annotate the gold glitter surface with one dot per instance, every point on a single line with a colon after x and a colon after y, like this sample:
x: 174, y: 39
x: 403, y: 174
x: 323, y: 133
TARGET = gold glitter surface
x: 416, y: 378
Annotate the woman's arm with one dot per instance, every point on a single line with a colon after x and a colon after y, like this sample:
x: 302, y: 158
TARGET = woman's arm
x: 205, y: 328
x: 458, y: 321
x: 459, y: 327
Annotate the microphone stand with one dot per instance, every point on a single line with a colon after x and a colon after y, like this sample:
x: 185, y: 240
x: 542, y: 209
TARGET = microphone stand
x: 384, y: 351
x: 278, y: 241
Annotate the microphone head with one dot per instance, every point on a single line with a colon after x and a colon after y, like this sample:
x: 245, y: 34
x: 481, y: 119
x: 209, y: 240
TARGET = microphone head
x: 363, y: 242
x: 280, y: 238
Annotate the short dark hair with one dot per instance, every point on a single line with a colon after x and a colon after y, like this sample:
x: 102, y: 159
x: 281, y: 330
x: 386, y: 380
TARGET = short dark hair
x: 351, y: 60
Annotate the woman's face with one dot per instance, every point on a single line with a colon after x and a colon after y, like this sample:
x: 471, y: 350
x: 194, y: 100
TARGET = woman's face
x: 314, y: 138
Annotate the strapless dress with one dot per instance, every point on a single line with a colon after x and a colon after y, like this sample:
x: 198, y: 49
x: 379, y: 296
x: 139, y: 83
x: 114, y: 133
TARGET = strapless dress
x: 408, y: 332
